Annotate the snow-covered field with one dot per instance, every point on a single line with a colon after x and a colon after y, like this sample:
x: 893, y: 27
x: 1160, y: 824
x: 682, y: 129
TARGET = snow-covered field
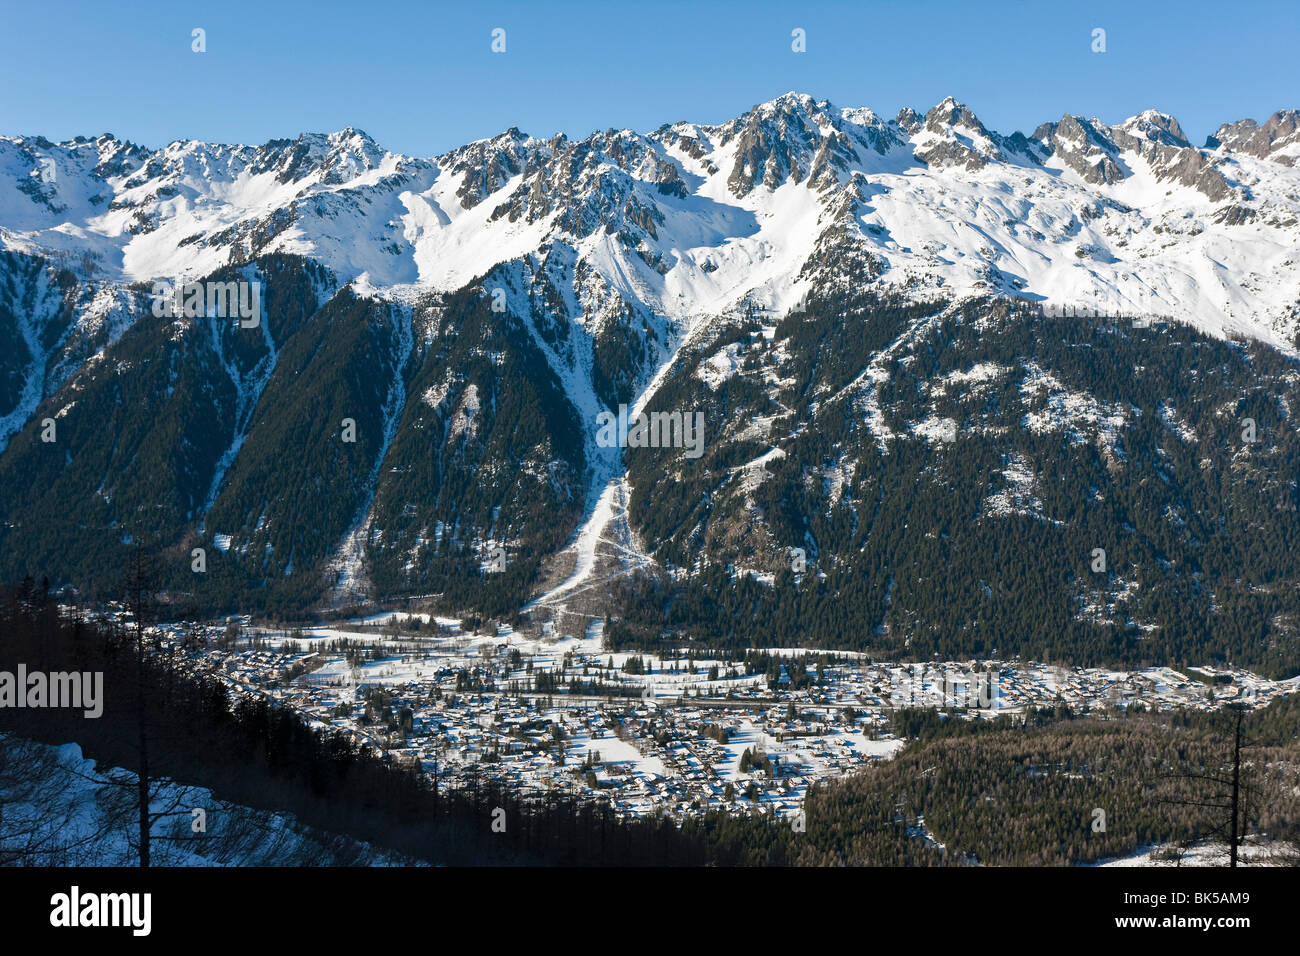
x: 61, y: 809
x: 1207, y: 854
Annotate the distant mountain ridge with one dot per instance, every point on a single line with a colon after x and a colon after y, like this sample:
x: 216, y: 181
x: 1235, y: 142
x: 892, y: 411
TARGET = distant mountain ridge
x: 841, y: 296
x: 1129, y: 218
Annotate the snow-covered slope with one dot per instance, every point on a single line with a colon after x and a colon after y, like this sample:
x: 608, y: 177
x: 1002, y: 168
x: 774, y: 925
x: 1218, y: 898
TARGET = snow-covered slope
x: 690, y: 220
x: 61, y: 809
x: 495, y: 300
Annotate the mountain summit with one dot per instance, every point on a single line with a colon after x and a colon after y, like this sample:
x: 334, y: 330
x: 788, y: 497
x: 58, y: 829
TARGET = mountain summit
x: 940, y: 363
x: 691, y: 218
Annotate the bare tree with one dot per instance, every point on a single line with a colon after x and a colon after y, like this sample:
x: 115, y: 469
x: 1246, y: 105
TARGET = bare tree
x: 140, y: 586
x: 1229, y: 796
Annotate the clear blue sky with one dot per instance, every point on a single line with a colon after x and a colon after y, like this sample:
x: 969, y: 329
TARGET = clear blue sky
x: 421, y: 77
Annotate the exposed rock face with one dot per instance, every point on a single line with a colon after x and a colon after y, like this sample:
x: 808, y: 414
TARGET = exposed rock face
x: 909, y: 121
x: 793, y: 138
x: 1278, y: 139
x: 1084, y: 146
x: 956, y: 137
x: 1158, y: 138
x: 1096, y: 152
x: 489, y: 164
x: 472, y: 313
x: 939, y: 201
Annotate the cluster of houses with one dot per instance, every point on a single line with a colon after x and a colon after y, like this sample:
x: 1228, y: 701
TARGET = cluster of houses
x: 660, y: 737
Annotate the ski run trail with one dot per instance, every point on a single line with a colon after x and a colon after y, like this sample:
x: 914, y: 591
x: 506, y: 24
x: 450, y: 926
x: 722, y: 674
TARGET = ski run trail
x: 607, y: 521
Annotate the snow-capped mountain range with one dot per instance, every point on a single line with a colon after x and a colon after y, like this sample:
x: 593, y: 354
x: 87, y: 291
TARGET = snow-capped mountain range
x: 689, y: 220
x: 840, y: 297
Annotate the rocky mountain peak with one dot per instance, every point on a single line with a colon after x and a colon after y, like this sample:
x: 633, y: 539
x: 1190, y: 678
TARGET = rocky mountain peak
x: 908, y: 119
x: 487, y: 164
x: 948, y: 114
x: 954, y: 136
x: 1156, y: 127
x: 1278, y: 139
x: 792, y: 138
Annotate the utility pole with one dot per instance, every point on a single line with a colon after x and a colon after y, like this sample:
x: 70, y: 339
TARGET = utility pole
x: 1236, y: 788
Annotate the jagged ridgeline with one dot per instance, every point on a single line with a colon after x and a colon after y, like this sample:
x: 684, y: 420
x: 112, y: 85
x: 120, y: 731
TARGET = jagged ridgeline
x: 417, y: 416
x: 341, y: 434
x: 977, y: 479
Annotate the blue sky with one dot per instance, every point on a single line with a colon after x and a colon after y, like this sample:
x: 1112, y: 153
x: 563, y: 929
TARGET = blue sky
x: 421, y: 77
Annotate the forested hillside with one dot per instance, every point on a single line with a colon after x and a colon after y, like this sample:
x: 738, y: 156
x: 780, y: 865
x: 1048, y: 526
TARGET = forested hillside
x: 975, y: 480
x: 347, y: 448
